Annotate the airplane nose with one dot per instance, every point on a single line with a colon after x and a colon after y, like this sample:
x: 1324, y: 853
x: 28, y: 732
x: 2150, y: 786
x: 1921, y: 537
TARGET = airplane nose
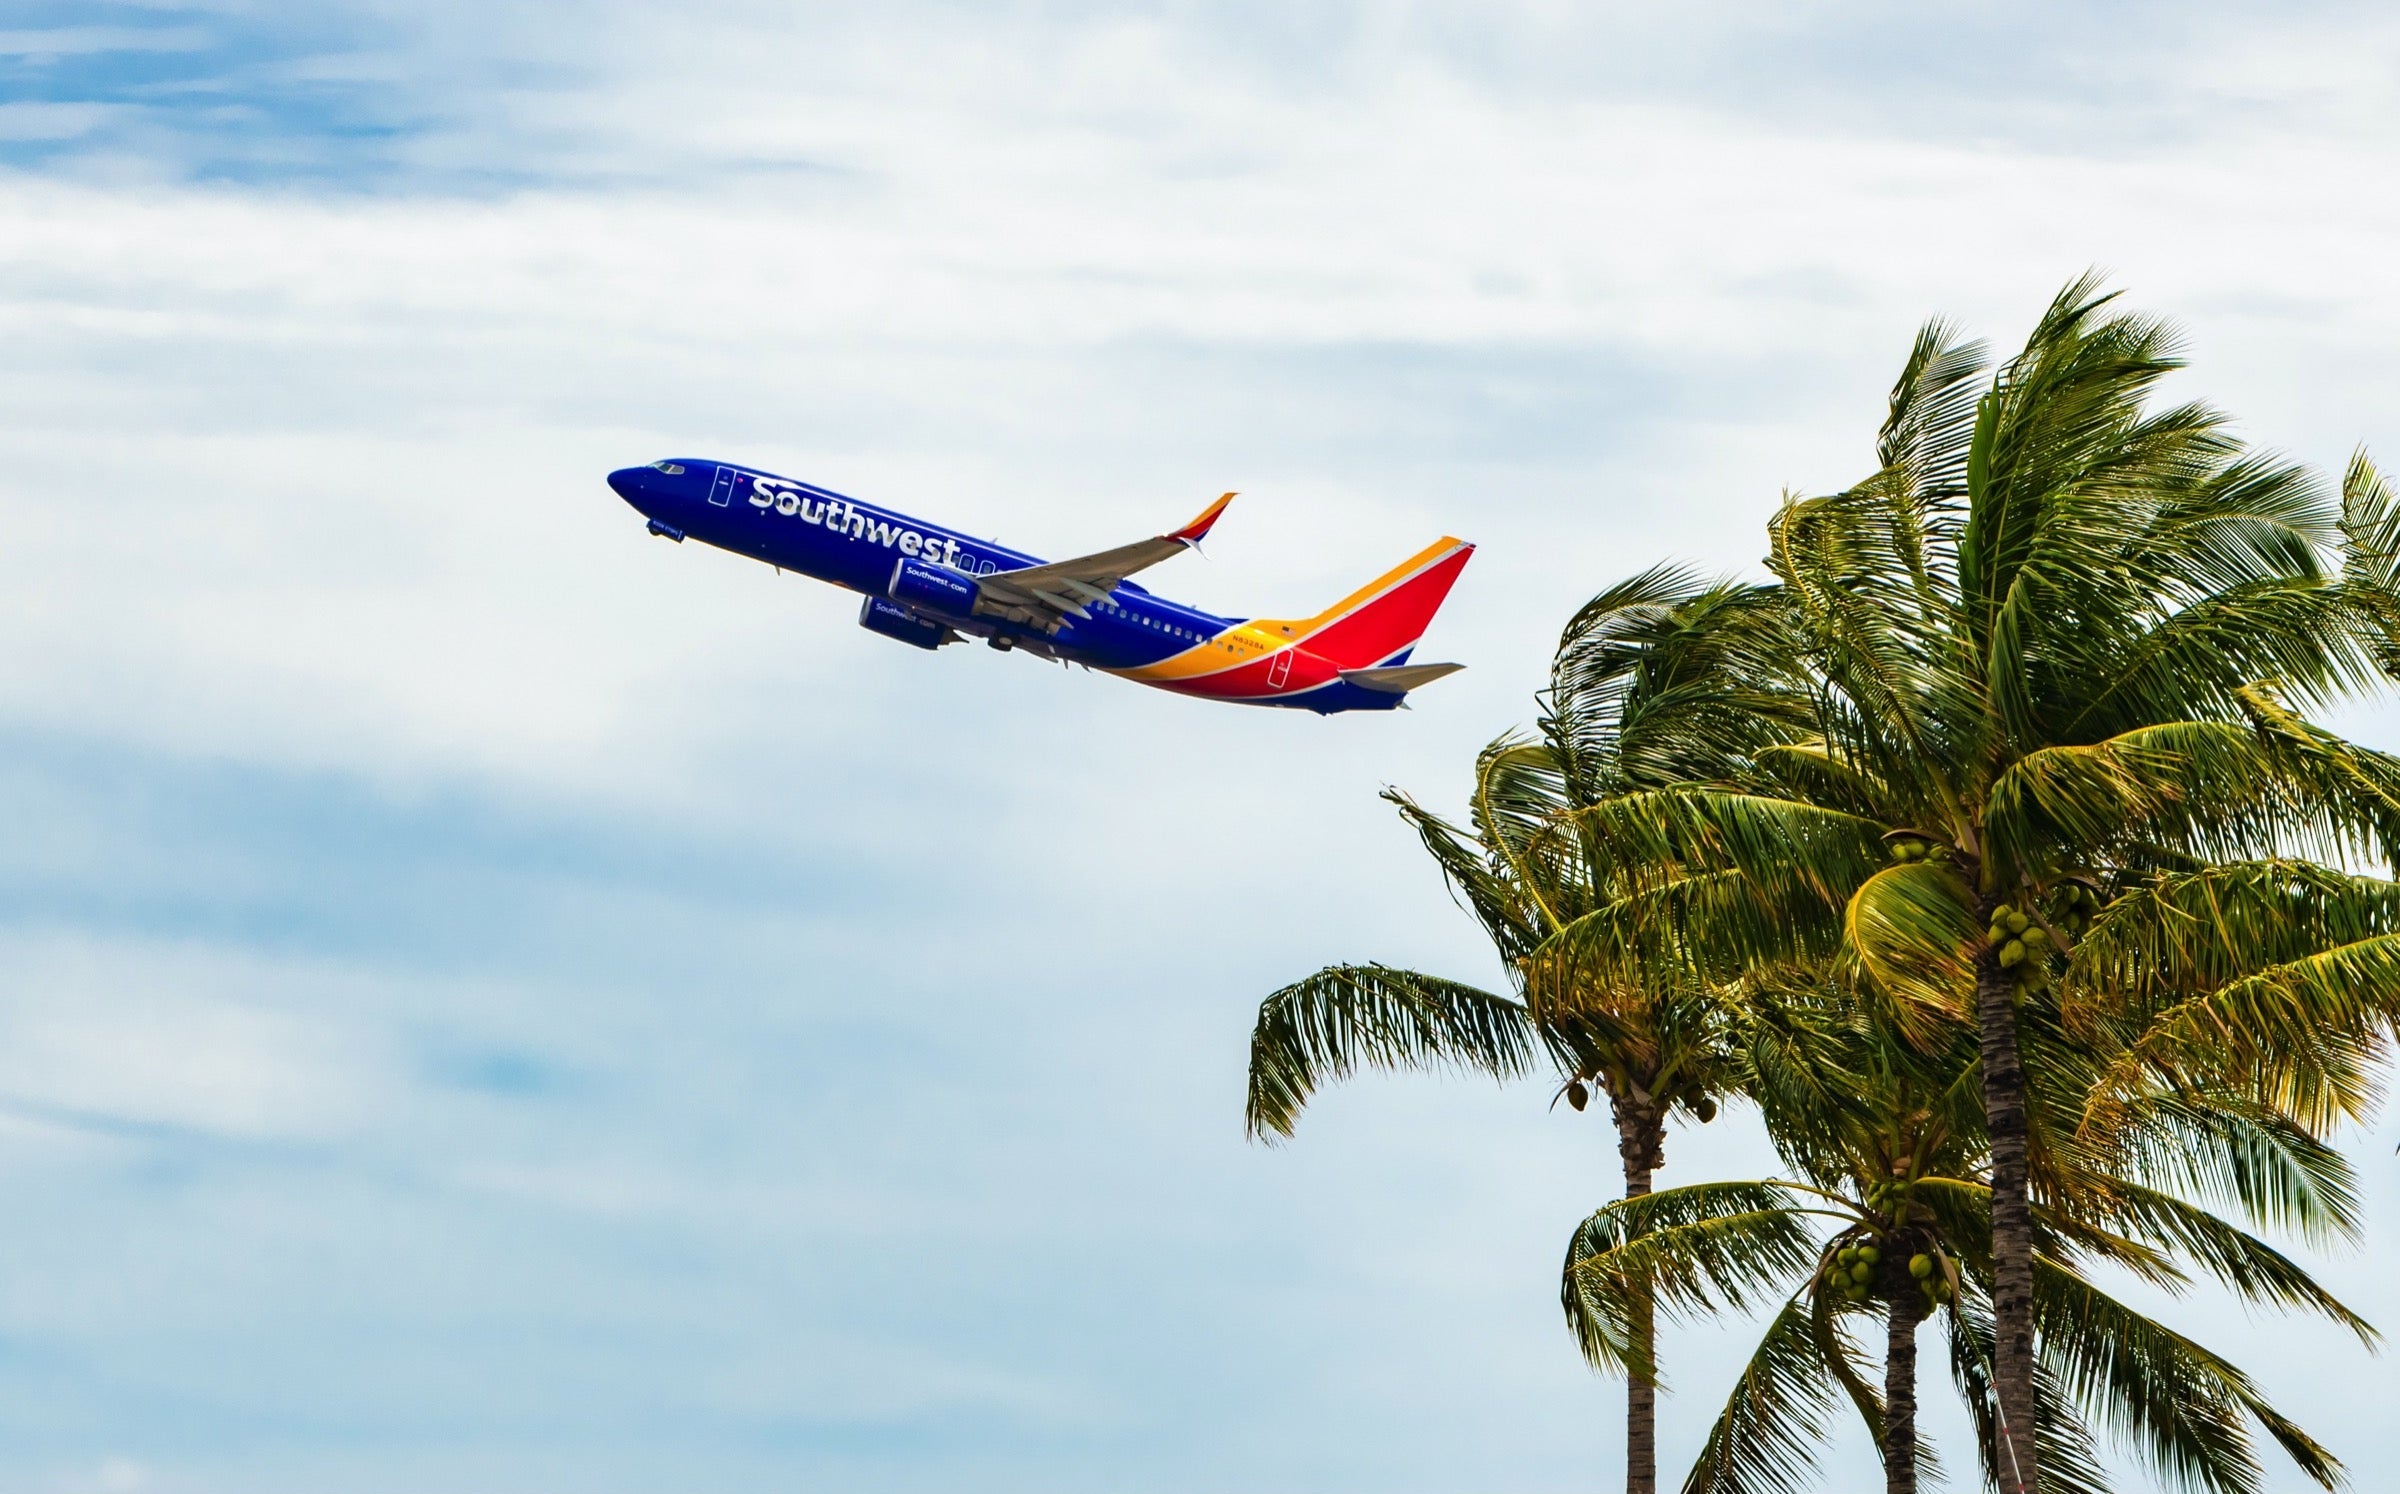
x: 628, y: 483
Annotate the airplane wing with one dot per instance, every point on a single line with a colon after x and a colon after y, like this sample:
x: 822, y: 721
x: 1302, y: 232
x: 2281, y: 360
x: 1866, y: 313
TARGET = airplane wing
x: 1044, y: 596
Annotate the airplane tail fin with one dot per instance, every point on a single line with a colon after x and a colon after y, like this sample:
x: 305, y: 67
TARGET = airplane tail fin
x: 1376, y: 625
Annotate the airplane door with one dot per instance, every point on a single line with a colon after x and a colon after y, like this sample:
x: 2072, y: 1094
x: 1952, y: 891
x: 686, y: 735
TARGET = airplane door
x: 722, y: 493
x: 1279, y: 670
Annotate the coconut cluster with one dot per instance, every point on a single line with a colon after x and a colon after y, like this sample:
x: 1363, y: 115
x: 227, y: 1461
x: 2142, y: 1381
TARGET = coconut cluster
x: 1853, y: 1269
x: 2024, y: 946
x: 2077, y: 903
x: 1694, y: 1098
x: 1907, y: 845
x: 1931, y: 1280
x: 2024, y: 943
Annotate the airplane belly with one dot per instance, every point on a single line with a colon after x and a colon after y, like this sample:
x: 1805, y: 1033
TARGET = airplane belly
x: 809, y: 552
x: 1116, y: 648
x: 1285, y: 672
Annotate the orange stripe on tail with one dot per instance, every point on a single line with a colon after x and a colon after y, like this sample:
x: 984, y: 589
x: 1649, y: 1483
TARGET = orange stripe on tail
x: 1389, y: 613
x: 1363, y: 629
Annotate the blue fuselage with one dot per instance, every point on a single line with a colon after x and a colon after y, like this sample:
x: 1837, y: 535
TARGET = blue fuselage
x: 797, y: 526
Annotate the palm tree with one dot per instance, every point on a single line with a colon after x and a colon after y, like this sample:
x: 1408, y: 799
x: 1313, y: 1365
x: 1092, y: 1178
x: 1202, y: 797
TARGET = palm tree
x: 1649, y: 687
x: 2057, y: 652
x: 1649, y: 1052
x: 1886, y: 1139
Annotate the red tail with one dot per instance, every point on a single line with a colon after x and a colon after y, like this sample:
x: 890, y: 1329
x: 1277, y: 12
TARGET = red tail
x: 1384, y: 618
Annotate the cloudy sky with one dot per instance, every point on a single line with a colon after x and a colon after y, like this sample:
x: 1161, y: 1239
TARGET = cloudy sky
x: 492, y: 1002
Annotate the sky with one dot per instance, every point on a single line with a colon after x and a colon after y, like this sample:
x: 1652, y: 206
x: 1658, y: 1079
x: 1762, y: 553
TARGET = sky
x: 491, y: 1002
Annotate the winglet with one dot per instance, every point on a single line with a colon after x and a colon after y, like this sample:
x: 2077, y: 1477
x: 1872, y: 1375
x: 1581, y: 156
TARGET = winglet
x: 1192, y: 534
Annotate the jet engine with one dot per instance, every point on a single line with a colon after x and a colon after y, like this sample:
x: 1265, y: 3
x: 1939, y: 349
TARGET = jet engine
x: 931, y: 588
x: 880, y: 616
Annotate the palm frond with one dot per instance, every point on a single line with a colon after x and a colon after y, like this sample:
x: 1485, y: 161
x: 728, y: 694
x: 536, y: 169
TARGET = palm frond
x: 2245, y: 1264
x: 1930, y: 421
x: 1665, y: 679
x: 1780, y: 845
x: 2304, y: 1030
x: 1911, y: 927
x: 2070, y: 1457
x: 1764, y: 1439
x: 1681, y: 1251
x: 1593, y: 671
x: 1807, y: 769
x: 2185, y: 1408
x: 2233, y: 1151
x: 2371, y: 557
x: 1347, y: 1016
x: 1521, y: 791
x: 1512, y: 919
x: 2196, y: 659
x: 1827, y: 1314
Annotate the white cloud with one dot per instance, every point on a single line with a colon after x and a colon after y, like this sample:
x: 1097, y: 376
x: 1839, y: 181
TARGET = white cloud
x: 25, y: 120
x: 184, y: 1036
x: 364, y: 522
x: 303, y: 488
x: 81, y: 41
x: 121, y: 1476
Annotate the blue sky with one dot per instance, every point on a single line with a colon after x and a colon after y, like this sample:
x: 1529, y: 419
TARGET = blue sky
x: 490, y: 1002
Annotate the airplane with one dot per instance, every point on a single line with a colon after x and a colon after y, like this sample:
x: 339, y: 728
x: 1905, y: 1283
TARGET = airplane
x: 929, y: 586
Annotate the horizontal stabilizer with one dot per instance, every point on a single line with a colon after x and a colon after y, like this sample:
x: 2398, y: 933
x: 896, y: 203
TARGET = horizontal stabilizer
x: 1399, y: 679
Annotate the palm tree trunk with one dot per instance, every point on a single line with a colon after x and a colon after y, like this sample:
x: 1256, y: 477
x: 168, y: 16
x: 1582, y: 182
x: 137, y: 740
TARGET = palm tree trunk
x: 1900, y: 1386
x: 2012, y: 1224
x: 1641, y: 1146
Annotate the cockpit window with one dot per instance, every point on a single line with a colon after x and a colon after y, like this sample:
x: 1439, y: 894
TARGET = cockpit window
x: 672, y: 469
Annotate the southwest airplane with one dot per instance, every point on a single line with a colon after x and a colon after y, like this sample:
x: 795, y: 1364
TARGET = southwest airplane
x: 927, y: 586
